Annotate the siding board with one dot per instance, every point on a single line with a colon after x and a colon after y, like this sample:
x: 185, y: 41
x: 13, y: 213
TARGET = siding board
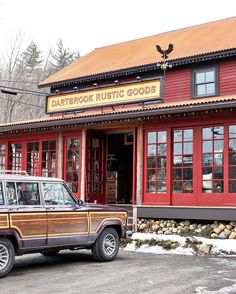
x: 227, y: 77
x: 177, y: 85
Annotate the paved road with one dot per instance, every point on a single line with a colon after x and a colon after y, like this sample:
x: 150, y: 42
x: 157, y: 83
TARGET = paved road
x: 76, y: 272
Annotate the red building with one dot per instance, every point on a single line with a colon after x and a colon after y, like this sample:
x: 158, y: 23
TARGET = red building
x: 120, y: 131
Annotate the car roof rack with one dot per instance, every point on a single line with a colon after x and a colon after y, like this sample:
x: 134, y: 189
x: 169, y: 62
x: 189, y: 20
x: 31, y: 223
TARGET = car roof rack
x: 14, y: 172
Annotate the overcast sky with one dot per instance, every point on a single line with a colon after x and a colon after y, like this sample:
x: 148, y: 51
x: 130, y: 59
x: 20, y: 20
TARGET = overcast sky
x: 87, y: 24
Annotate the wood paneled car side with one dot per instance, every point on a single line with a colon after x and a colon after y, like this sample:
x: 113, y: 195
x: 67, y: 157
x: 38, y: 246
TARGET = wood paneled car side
x: 42, y: 215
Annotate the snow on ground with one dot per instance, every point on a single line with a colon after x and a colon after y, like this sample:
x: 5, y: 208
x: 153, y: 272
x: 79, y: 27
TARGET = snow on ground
x: 225, y: 290
x: 219, y: 247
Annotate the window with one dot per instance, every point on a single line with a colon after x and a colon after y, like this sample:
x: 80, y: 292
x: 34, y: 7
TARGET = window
x: 182, y: 172
x: 156, y: 162
x: 1, y: 195
x: 23, y: 193
x: 204, y: 82
x: 33, y: 159
x: 49, y: 158
x: 72, y: 163
x: 2, y: 156
x: 212, y: 159
x: 57, y: 194
x: 15, y: 154
x: 232, y: 159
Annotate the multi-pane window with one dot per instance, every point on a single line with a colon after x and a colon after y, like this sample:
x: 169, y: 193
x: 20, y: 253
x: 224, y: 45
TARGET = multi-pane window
x: 2, y: 156
x: 72, y: 163
x: 95, y: 166
x: 15, y: 156
x: 205, y: 82
x: 232, y: 158
x: 182, y: 171
x: 212, y: 159
x: 49, y: 158
x: 156, y: 162
x: 33, y: 155
x: 1, y: 195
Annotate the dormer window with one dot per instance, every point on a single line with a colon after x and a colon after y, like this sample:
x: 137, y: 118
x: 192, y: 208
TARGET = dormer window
x: 205, y: 82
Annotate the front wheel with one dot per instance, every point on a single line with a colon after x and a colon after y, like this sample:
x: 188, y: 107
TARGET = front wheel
x: 7, y: 257
x: 106, y: 246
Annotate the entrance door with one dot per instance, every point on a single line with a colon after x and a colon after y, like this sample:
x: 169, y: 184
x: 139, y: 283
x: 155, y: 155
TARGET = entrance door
x: 96, y: 168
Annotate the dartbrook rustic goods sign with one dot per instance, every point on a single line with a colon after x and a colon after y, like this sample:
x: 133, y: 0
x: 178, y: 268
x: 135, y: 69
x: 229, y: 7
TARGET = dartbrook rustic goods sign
x: 123, y: 94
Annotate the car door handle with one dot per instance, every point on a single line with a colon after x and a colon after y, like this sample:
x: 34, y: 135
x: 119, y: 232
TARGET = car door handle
x: 50, y: 208
x: 15, y: 208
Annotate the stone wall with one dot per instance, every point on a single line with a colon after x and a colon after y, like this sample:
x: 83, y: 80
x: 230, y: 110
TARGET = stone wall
x: 216, y: 229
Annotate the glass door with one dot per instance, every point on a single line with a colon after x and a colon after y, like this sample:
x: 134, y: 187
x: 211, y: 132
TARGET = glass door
x: 96, y: 168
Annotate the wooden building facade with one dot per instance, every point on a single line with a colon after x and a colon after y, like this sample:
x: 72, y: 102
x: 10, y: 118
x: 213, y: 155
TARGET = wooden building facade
x: 121, y: 131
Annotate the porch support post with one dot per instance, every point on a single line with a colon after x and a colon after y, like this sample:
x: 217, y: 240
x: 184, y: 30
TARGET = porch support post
x: 60, y: 156
x: 83, y: 166
x: 139, y: 173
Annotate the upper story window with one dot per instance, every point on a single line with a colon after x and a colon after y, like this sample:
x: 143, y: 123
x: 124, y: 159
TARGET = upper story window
x: 205, y: 82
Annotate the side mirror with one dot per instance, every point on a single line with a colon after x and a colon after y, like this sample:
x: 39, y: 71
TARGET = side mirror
x: 80, y: 202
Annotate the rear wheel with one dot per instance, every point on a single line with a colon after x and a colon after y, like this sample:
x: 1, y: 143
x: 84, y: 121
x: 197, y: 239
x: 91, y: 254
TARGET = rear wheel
x: 106, y: 246
x: 50, y: 253
x: 7, y: 257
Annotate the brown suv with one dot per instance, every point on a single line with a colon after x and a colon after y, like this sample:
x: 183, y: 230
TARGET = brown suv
x: 41, y: 215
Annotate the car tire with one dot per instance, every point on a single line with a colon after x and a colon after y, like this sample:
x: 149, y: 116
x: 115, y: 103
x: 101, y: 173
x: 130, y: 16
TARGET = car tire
x: 7, y: 257
x: 50, y: 253
x: 106, y: 247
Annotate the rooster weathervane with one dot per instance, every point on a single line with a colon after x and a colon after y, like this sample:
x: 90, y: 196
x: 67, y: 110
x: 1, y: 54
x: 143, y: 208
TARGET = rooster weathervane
x: 164, y: 54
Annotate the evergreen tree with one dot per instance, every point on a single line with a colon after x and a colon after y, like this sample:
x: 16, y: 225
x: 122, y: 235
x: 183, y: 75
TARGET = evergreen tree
x: 62, y: 56
x: 31, y: 57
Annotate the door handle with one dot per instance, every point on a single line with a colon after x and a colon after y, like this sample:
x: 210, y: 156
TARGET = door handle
x: 15, y: 208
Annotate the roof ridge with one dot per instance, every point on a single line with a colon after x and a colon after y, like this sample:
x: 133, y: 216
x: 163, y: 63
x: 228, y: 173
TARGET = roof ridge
x: 166, y: 32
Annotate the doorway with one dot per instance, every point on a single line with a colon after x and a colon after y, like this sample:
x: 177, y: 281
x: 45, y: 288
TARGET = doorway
x: 110, y: 167
x: 119, y: 168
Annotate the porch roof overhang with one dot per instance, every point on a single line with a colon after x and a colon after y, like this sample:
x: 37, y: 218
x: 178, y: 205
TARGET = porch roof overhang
x: 121, y: 113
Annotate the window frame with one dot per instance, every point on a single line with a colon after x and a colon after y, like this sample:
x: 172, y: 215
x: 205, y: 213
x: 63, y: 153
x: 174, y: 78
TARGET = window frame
x: 204, y: 69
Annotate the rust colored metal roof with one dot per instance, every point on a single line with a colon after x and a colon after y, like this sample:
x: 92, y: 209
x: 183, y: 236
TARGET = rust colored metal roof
x: 122, y: 113
x: 197, y: 40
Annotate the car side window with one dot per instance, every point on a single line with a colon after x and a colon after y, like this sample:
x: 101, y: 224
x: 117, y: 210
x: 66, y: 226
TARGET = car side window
x: 1, y: 195
x: 23, y: 193
x: 56, y: 194
x: 11, y: 193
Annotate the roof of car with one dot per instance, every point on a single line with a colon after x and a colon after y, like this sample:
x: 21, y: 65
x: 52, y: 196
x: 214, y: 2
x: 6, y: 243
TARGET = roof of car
x: 10, y: 177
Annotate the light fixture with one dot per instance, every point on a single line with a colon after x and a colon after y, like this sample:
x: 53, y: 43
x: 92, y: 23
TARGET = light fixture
x: 138, y: 78
x: 95, y: 85
x: 57, y: 91
x: 116, y: 82
x: 76, y: 88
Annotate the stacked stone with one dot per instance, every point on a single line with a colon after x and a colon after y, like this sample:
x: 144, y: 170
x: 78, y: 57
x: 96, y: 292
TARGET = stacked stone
x: 219, y: 230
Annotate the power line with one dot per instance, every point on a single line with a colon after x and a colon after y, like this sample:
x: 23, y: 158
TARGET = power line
x: 18, y: 90
x: 19, y: 82
x: 21, y: 102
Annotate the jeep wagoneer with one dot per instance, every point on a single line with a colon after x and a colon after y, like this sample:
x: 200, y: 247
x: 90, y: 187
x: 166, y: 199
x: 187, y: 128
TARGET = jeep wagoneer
x: 41, y: 215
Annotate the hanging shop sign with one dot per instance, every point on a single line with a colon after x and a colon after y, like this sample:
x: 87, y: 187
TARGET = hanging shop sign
x: 101, y: 97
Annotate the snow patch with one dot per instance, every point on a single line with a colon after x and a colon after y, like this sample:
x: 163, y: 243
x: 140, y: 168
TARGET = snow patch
x: 225, y: 290
x: 219, y: 247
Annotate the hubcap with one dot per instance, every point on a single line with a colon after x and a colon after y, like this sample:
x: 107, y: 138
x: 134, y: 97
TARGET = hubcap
x: 4, y: 256
x: 109, y: 244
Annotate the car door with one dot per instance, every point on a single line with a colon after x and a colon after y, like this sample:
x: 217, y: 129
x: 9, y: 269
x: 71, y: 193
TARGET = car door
x: 27, y: 215
x: 68, y: 223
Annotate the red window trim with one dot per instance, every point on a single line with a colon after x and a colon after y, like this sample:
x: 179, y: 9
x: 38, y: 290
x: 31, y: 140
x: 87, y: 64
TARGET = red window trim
x: 198, y: 198
x: 77, y: 134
